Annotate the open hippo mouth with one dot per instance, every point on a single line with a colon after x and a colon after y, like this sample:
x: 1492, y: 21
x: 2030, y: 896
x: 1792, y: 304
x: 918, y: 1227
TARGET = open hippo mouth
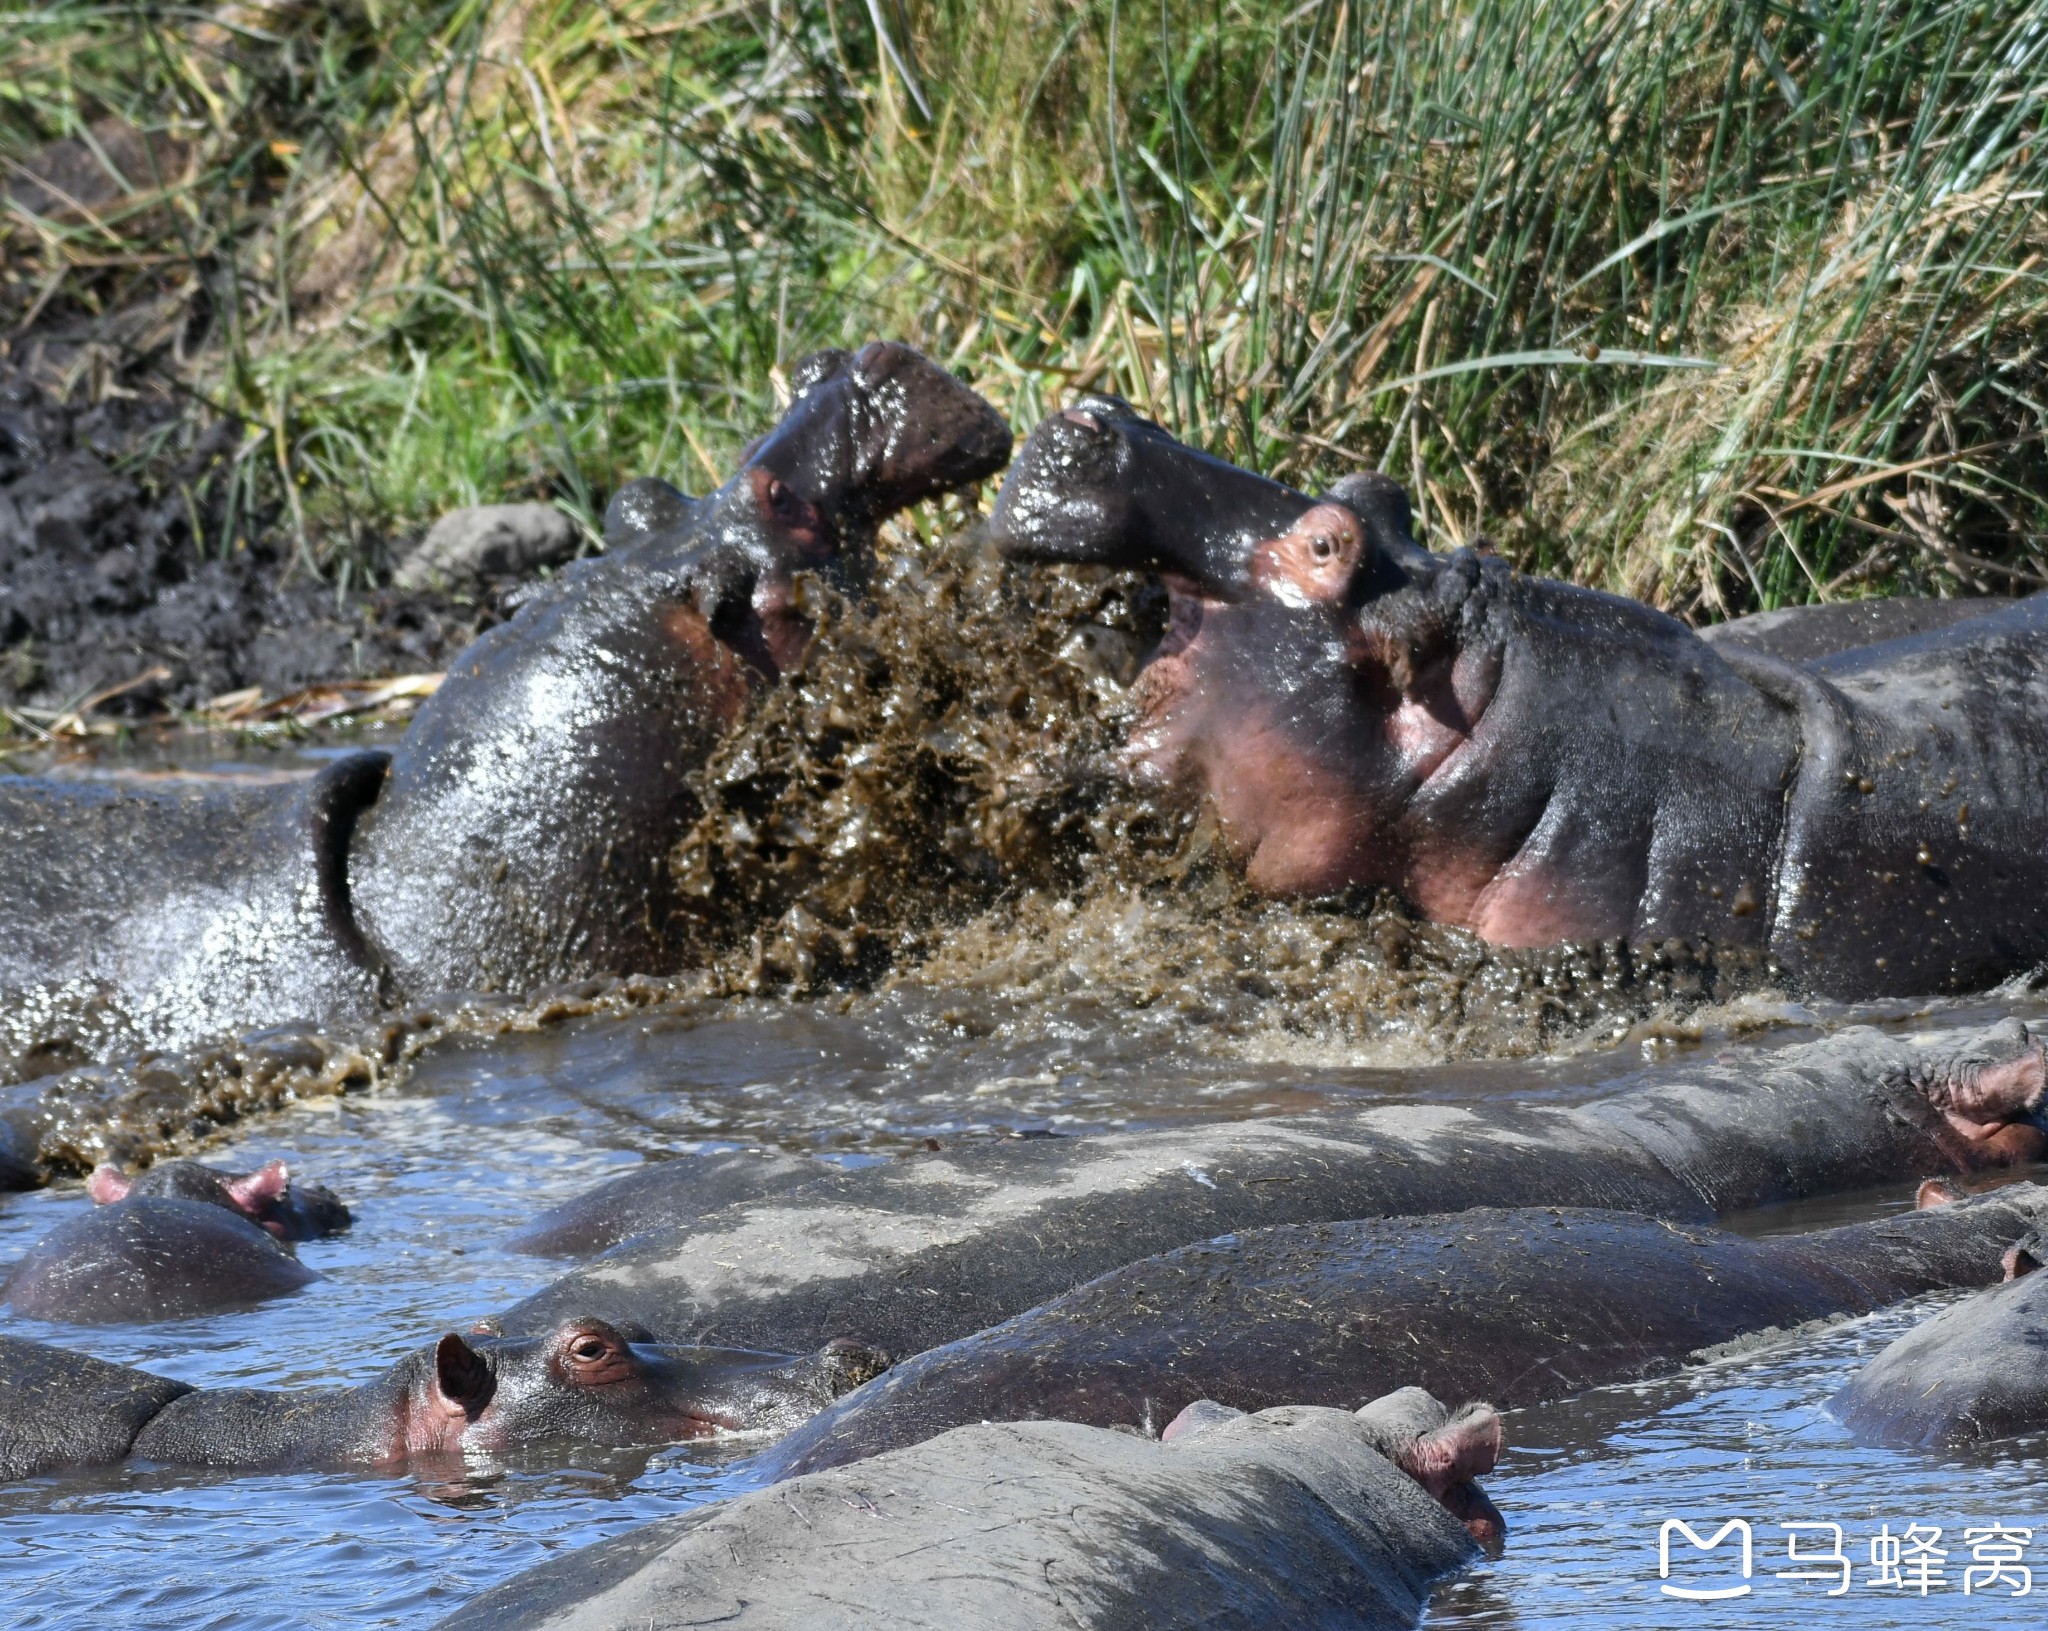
x: 866, y: 435
x: 1314, y: 674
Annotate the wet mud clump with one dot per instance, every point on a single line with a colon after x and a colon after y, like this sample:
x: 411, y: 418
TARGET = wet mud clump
x: 142, y: 570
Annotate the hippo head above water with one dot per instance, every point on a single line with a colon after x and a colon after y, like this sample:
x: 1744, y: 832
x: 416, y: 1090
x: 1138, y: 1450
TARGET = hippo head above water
x: 523, y: 832
x: 1539, y: 762
x: 584, y: 1381
x: 866, y: 435
x: 267, y: 1197
x: 1320, y: 668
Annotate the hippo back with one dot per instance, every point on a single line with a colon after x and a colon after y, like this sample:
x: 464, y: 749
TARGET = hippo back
x: 534, y: 799
x: 155, y: 915
x: 1975, y: 1372
x: 1913, y: 859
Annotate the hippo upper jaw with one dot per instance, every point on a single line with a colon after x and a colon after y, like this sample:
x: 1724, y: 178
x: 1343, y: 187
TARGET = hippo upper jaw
x: 872, y: 432
x: 1099, y: 485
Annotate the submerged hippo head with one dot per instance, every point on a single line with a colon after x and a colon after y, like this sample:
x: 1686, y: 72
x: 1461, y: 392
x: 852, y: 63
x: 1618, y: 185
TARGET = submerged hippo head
x: 586, y: 1382
x: 1514, y: 756
x: 267, y: 1197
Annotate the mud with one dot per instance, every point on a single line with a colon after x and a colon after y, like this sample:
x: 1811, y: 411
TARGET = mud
x: 140, y: 549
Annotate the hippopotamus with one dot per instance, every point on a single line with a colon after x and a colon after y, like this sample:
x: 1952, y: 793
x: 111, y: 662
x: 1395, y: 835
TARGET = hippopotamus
x: 179, y: 1241
x: 1540, y: 763
x: 153, y: 1257
x: 1296, y: 1517
x: 583, y: 1381
x: 660, y: 1195
x: 519, y: 833
x: 267, y: 1197
x: 1520, y: 1306
x: 1975, y: 1372
x: 931, y: 1247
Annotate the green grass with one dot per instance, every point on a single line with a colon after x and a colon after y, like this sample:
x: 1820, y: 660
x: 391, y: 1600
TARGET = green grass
x: 1722, y: 303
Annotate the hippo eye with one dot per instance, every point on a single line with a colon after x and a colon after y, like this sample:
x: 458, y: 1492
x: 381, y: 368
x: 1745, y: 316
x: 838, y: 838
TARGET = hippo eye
x: 1321, y: 547
x: 776, y: 491
x: 588, y: 1349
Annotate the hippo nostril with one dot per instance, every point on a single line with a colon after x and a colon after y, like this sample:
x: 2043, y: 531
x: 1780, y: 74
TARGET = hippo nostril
x: 1078, y: 416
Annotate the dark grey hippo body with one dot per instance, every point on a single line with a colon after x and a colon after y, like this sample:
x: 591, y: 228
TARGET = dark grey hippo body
x: 1520, y: 1307
x: 1542, y: 763
x: 1803, y: 634
x: 583, y: 1382
x: 179, y: 1241
x: 521, y: 833
x: 524, y: 836
x: 930, y: 1248
x: 61, y: 1409
x: 151, y: 1257
x: 660, y: 1195
x: 1294, y: 1517
x: 181, y: 907
x: 1973, y: 1373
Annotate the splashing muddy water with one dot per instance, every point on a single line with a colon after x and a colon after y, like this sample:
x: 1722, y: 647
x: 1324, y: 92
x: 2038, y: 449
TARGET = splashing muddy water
x: 931, y: 814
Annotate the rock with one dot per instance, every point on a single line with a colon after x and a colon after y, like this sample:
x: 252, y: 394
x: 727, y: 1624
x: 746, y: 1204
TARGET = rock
x: 489, y: 541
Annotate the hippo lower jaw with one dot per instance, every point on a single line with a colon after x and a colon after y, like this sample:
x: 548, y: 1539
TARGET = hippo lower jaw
x: 1304, y: 816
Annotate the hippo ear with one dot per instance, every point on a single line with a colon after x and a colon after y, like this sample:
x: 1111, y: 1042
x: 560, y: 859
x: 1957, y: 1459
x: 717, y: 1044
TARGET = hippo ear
x: 1935, y: 1192
x: 2027, y: 1256
x: 461, y: 1376
x: 108, y: 1184
x: 257, y: 1192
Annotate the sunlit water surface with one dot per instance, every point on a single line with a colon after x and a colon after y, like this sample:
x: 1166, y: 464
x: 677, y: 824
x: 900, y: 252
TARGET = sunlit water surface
x: 484, y: 1134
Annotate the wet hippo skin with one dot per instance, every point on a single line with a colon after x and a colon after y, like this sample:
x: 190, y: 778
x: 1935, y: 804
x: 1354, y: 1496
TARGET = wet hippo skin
x: 1293, y: 1517
x: 519, y: 833
x: 179, y: 1241
x: 61, y: 1409
x: 1520, y: 1306
x: 1803, y: 634
x: 1541, y: 763
x: 929, y: 1248
x: 1973, y: 1373
x: 583, y: 1382
x: 660, y: 1195
x: 151, y: 1257
x: 269, y: 1197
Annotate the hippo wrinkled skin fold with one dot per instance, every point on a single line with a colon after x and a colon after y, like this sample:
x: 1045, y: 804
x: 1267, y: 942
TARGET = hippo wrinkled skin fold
x: 1542, y: 763
x: 519, y: 833
x: 1292, y: 1517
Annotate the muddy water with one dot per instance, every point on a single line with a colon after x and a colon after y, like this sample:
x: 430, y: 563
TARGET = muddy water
x: 484, y: 1133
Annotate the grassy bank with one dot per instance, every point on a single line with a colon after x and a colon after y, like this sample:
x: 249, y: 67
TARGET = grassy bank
x: 1722, y: 303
